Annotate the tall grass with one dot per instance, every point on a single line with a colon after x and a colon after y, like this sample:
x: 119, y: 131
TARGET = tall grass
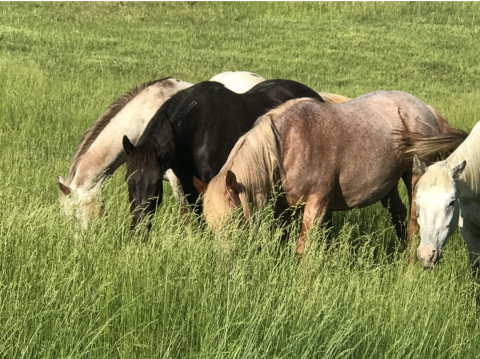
x: 186, y: 293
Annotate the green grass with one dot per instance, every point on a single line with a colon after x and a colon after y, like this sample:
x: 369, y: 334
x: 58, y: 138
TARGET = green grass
x: 103, y: 294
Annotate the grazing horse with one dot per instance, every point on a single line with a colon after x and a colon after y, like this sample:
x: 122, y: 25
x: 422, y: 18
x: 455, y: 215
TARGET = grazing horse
x: 447, y: 193
x: 321, y: 157
x: 100, y: 151
x: 193, y: 133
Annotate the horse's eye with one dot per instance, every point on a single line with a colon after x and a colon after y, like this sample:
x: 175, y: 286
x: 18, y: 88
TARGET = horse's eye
x: 451, y: 204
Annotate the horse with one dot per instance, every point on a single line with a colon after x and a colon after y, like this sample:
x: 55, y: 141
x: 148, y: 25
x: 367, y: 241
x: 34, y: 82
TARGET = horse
x: 100, y: 151
x: 322, y: 158
x: 238, y: 81
x: 193, y: 133
x: 447, y: 193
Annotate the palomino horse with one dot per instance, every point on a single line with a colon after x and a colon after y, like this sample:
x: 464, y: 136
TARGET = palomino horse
x: 323, y: 157
x: 100, y: 151
x: 193, y: 133
x: 447, y: 193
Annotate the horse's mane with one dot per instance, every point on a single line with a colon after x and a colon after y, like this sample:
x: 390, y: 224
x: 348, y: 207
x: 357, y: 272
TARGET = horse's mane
x: 97, y: 127
x: 255, y: 161
x: 156, y: 145
x: 469, y: 151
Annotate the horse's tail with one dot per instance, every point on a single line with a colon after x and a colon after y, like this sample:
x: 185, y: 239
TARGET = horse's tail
x: 332, y: 98
x: 442, y: 123
x: 429, y: 148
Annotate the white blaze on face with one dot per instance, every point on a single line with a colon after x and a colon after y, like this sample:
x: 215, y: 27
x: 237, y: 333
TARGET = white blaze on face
x: 437, y: 216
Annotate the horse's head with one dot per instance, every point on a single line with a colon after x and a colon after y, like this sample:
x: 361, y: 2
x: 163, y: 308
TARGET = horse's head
x: 221, y: 196
x: 145, y: 186
x: 78, y: 203
x: 436, y: 198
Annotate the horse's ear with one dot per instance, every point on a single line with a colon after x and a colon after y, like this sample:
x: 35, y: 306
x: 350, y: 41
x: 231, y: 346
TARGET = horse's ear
x: 231, y: 181
x: 457, y: 170
x: 127, y: 145
x: 199, y: 185
x: 63, y: 187
x: 419, y: 168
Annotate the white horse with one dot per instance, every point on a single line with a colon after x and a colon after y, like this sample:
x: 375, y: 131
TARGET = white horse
x: 448, y: 196
x: 100, y: 151
x: 238, y: 81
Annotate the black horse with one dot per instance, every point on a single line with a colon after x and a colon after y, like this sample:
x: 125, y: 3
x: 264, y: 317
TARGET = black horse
x: 193, y: 133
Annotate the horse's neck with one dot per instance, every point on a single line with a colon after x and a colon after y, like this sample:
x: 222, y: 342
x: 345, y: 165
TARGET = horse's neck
x: 469, y: 151
x: 106, y: 153
x: 257, y: 163
x: 98, y: 163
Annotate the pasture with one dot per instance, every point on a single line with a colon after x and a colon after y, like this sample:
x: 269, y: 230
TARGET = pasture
x: 104, y: 294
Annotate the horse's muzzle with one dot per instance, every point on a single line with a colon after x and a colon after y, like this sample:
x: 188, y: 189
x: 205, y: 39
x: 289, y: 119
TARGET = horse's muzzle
x: 428, y: 256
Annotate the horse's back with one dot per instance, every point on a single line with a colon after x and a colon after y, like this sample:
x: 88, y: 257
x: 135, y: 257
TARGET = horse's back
x: 213, y: 107
x: 415, y: 115
x: 215, y: 99
x: 347, y: 148
x: 381, y: 112
x: 238, y: 81
x: 281, y: 90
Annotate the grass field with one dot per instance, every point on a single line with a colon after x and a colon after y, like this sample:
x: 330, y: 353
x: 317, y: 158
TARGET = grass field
x: 103, y: 294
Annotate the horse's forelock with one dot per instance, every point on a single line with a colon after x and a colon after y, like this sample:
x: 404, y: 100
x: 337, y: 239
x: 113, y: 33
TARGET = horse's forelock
x: 437, y: 175
x: 142, y: 157
x: 216, y: 204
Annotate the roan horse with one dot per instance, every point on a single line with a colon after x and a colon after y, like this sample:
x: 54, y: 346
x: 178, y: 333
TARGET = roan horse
x: 193, y: 133
x: 321, y: 157
x: 100, y: 151
x: 447, y: 193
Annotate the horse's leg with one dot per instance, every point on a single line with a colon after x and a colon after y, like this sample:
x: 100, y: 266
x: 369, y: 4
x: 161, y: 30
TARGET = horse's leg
x: 314, y: 210
x: 393, y: 203
x: 410, y: 180
x: 177, y: 191
x: 328, y: 219
x: 470, y: 229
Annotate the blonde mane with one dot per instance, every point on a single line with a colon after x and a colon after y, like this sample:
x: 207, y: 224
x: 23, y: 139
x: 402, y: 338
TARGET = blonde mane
x: 469, y: 151
x: 99, y: 125
x: 436, y: 176
x: 255, y: 162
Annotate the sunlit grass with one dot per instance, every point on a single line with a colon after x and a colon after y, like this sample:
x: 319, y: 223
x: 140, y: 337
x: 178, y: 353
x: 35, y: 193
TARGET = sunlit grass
x: 242, y: 293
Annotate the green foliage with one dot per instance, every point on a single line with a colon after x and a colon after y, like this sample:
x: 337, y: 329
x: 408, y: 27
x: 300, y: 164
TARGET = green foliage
x: 242, y: 293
